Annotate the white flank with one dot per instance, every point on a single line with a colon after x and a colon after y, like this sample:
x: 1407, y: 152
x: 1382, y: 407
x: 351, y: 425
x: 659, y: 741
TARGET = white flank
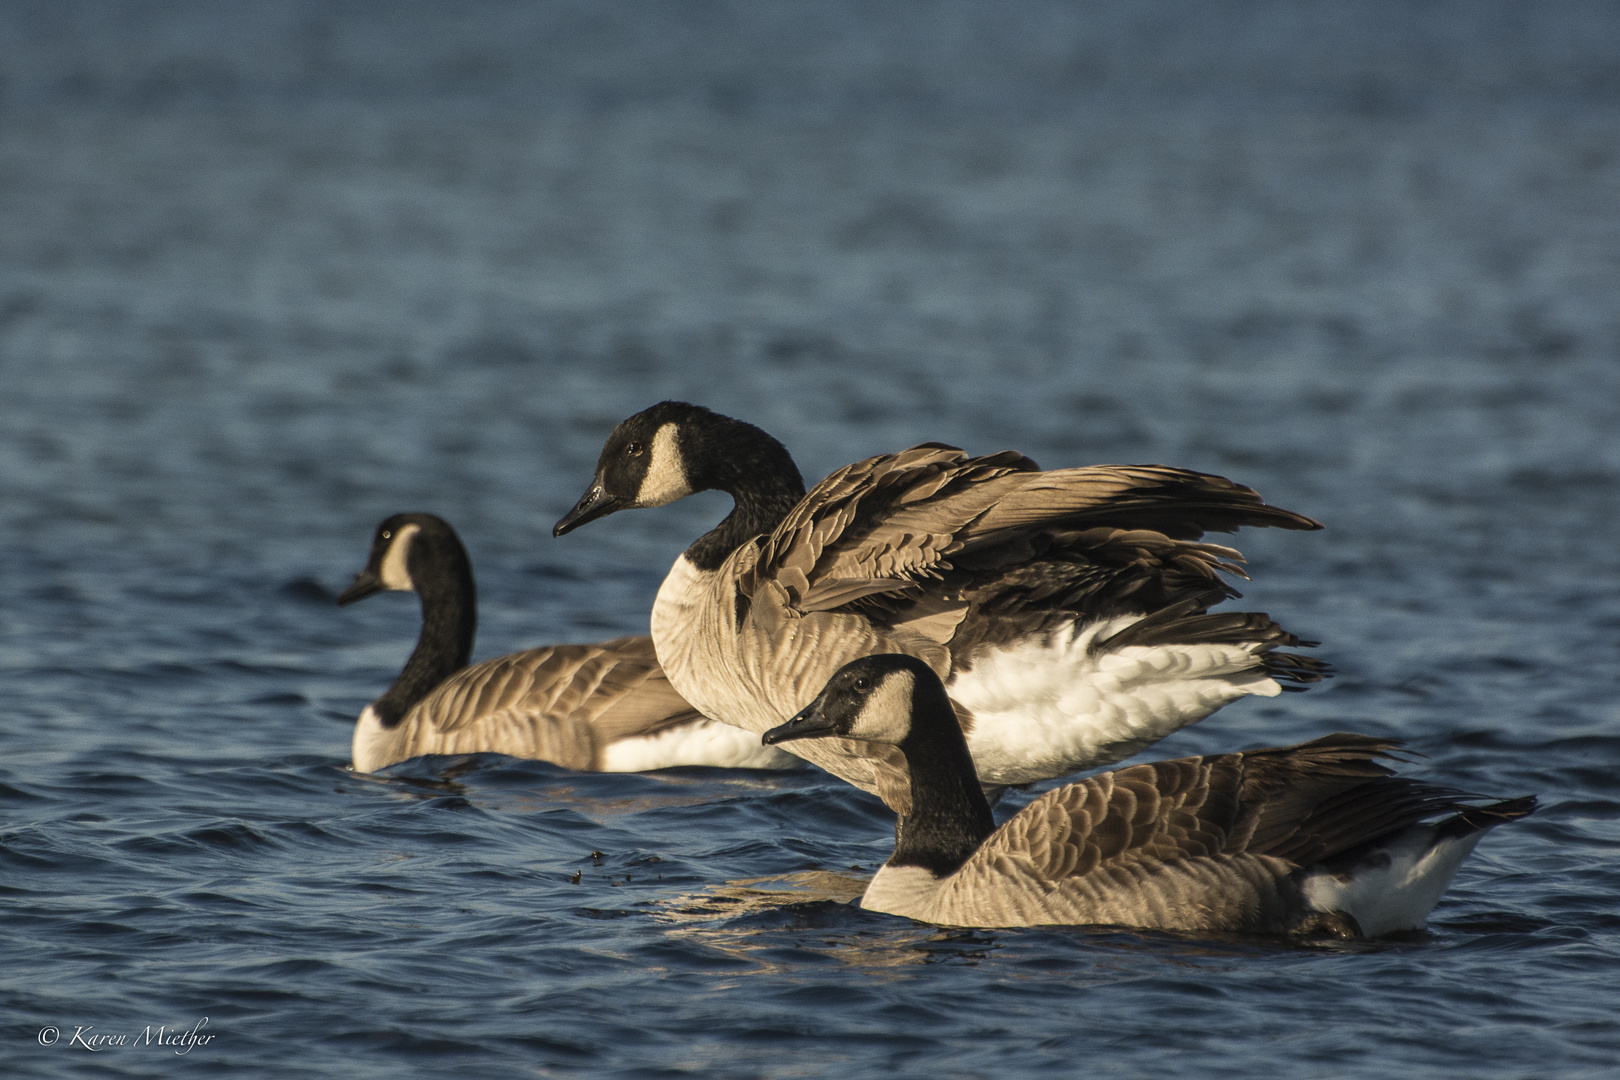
x: 372, y: 743
x: 1047, y: 708
x: 698, y: 669
x: 675, y: 608
x: 1396, y: 888
x: 902, y: 890
x: 702, y: 742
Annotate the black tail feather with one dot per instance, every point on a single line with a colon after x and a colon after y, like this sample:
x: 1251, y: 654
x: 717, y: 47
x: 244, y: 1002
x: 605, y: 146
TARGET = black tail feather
x: 1295, y: 672
x: 1189, y: 622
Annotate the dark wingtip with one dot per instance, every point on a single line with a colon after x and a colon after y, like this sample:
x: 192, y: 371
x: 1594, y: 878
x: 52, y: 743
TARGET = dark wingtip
x: 1484, y: 817
x: 1473, y: 819
x: 1287, y: 519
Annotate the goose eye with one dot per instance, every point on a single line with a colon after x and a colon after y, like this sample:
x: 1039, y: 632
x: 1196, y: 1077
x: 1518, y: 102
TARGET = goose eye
x: 632, y: 449
x: 863, y: 684
x: 387, y: 535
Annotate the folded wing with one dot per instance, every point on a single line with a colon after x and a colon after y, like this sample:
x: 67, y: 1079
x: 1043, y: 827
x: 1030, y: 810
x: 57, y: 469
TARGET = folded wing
x: 562, y: 703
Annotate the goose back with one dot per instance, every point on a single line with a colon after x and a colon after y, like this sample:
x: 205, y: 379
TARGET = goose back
x: 564, y: 704
x: 1230, y: 843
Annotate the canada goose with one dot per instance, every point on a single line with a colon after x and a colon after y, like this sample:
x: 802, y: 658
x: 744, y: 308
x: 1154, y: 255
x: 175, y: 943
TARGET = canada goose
x: 604, y: 707
x: 1313, y: 839
x: 1067, y: 610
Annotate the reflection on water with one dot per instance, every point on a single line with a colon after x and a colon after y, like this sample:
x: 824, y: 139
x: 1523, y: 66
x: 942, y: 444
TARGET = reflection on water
x: 750, y: 895
x: 754, y: 919
x: 517, y: 786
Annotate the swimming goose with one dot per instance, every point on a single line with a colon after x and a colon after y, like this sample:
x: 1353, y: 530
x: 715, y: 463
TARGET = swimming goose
x: 604, y: 707
x: 1314, y: 839
x: 1067, y: 611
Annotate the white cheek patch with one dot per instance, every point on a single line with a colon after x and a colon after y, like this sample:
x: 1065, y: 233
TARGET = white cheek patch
x: 886, y: 718
x: 666, y: 476
x: 394, y: 573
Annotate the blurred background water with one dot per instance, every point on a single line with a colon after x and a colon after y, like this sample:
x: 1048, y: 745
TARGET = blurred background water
x: 270, y: 271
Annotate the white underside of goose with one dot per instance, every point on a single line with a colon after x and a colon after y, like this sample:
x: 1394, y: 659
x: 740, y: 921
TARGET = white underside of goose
x: 702, y: 742
x: 1046, y: 708
x: 1397, y: 888
x: 373, y: 744
x: 1041, y: 708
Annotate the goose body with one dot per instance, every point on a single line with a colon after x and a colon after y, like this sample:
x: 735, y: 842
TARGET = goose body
x: 1314, y: 839
x: 1068, y: 611
x: 604, y: 707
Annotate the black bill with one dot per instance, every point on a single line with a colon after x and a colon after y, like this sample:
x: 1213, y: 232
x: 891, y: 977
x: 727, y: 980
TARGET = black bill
x: 366, y: 583
x: 809, y: 723
x: 595, y: 503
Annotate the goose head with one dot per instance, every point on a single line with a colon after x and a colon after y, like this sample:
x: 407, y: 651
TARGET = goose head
x: 642, y: 464
x: 406, y: 550
x: 897, y: 699
x: 883, y: 698
x: 673, y: 450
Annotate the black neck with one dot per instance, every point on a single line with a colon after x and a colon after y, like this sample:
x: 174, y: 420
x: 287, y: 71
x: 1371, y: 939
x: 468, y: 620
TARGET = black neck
x: 751, y: 467
x: 950, y: 816
x: 449, y: 623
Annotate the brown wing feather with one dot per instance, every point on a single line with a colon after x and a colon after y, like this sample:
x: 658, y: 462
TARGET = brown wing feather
x: 890, y: 530
x: 1180, y: 503
x: 1259, y: 802
x: 561, y: 703
x: 1146, y: 845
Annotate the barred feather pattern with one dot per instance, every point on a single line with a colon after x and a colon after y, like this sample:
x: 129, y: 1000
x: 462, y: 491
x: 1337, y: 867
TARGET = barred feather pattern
x: 564, y: 704
x: 1202, y: 844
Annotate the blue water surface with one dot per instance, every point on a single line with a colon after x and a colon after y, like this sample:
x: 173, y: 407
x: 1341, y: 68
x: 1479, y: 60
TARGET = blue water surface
x: 271, y: 271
